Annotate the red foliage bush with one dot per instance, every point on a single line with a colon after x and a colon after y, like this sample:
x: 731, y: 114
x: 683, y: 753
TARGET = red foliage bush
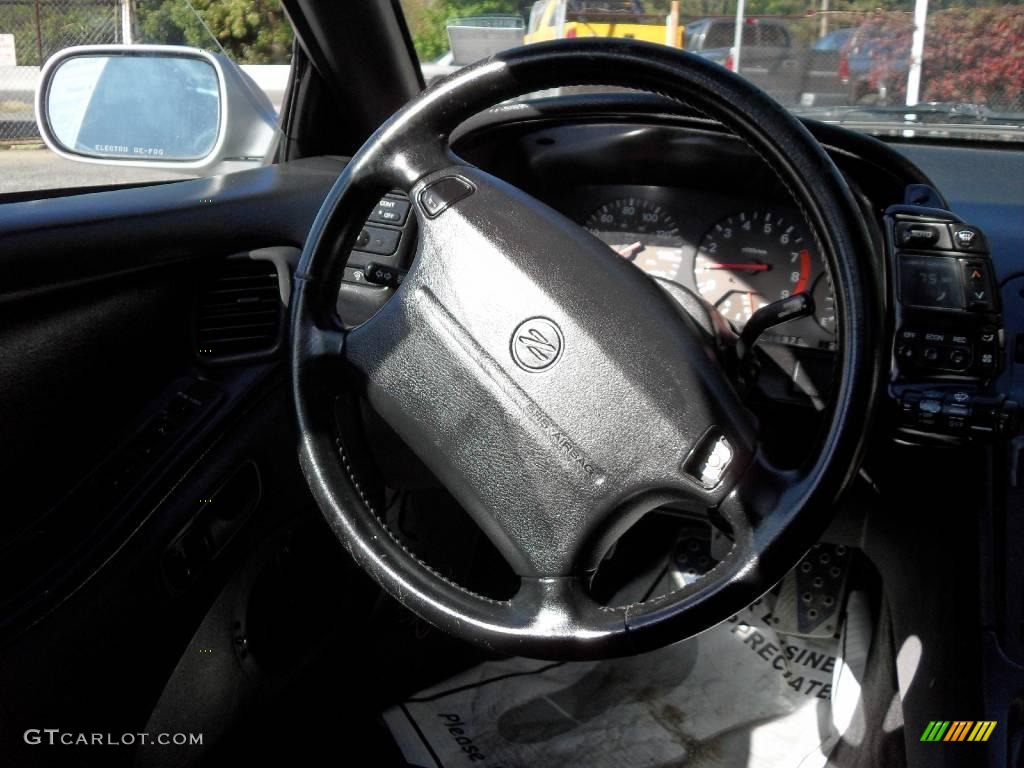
x: 975, y: 55
x: 971, y: 55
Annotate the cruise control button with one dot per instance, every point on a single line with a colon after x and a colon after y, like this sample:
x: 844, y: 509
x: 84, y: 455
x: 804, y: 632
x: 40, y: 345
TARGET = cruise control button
x: 381, y: 274
x: 390, y: 211
x: 439, y: 195
x: 382, y: 242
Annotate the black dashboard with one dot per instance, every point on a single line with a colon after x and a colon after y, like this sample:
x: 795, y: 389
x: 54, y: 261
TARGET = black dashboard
x: 696, y: 209
x: 691, y: 204
x: 682, y: 201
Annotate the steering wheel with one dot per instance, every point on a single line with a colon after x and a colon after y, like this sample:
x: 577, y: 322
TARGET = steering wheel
x: 554, y: 389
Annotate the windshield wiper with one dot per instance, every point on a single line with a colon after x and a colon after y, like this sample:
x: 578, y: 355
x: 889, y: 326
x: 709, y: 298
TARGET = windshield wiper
x: 944, y: 112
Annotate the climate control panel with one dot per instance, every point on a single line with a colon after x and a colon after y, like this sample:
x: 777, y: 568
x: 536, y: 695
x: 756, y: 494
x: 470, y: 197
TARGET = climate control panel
x: 926, y: 351
x: 947, y: 343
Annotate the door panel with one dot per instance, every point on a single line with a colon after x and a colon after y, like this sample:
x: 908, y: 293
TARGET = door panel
x: 114, y: 430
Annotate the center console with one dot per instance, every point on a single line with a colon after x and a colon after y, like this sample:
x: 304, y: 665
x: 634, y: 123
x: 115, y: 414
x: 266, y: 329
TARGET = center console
x: 948, y: 341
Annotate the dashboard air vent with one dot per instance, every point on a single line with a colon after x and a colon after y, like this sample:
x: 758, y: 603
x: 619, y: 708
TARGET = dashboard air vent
x: 239, y: 311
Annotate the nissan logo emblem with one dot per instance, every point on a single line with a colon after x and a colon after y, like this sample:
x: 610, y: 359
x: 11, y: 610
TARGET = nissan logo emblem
x: 537, y: 344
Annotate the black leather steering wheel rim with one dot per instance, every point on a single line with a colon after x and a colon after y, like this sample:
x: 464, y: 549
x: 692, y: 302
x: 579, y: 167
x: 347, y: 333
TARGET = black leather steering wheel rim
x: 775, y: 515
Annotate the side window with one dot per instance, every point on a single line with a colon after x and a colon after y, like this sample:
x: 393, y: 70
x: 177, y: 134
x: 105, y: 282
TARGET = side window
x: 690, y: 33
x: 773, y: 36
x: 536, y: 14
x: 133, y: 111
x: 719, y: 36
x: 722, y: 34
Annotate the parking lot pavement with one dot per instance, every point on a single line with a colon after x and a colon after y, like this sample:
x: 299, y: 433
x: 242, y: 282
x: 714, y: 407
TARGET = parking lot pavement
x: 29, y: 169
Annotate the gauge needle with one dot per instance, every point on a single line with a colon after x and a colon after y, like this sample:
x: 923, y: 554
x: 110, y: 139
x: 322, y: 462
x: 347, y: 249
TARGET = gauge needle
x: 628, y: 251
x: 749, y: 266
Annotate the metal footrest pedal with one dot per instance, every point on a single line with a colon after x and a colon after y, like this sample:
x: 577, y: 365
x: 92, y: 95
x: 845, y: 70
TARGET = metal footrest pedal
x: 811, y: 596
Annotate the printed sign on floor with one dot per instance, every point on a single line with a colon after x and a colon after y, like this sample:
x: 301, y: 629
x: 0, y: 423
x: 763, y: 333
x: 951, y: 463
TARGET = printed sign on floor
x: 738, y: 694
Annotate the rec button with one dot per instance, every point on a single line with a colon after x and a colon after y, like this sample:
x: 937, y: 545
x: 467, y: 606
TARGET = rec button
x: 437, y: 196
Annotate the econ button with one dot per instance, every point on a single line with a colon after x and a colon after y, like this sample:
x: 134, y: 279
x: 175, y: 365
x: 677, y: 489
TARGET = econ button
x: 438, y: 196
x: 537, y: 344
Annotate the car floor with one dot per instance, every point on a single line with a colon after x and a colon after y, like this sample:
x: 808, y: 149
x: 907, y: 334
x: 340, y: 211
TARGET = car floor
x: 739, y: 694
x: 378, y: 686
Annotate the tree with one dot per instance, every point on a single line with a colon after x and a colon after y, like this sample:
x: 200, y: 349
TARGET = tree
x: 250, y: 31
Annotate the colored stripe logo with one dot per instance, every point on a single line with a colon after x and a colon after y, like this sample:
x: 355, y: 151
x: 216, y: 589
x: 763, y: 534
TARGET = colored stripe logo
x: 958, y: 730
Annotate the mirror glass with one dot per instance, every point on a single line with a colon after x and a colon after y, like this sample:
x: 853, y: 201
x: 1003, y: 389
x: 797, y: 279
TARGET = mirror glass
x: 135, y: 107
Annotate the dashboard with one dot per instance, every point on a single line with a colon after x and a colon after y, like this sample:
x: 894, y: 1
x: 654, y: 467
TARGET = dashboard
x: 686, y: 206
x: 697, y: 210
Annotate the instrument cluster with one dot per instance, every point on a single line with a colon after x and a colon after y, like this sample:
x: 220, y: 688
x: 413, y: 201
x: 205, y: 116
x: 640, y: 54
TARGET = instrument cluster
x: 738, y: 254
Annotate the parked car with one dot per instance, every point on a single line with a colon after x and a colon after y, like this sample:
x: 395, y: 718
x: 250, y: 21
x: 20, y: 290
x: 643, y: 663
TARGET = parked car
x: 876, y: 55
x: 767, y: 55
x: 555, y: 19
x: 823, y: 83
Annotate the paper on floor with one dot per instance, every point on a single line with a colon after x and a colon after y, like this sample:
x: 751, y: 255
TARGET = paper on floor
x: 737, y: 695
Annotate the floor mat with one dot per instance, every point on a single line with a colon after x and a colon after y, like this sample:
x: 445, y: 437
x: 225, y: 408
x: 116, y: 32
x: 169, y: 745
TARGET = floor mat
x: 737, y: 695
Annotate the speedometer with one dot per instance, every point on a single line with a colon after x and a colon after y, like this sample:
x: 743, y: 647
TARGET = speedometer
x: 641, y: 231
x: 751, y: 259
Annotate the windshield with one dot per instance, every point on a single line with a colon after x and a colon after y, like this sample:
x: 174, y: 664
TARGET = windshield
x: 907, y: 68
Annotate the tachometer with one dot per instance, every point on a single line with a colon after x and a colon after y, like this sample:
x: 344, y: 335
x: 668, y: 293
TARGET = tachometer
x: 641, y: 231
x: 751, y: 259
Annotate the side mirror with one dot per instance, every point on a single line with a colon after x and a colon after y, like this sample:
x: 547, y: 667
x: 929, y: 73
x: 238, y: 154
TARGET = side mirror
x: 153, y: 106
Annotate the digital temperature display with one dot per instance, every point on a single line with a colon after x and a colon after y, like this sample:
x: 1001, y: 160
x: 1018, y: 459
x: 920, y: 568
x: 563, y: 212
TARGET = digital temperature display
x: 931, y: 281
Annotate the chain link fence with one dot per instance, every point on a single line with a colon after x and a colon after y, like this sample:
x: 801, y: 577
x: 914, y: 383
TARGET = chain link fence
x: 30, y: 32
x: 962, y: 67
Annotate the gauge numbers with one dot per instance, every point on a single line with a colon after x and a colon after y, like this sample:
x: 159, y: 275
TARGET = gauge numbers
x: 751, y: 259
x: 640, y: 231
x: 744, y: 262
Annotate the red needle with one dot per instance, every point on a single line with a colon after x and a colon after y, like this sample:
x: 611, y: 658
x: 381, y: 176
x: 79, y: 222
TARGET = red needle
x: 747, y: 267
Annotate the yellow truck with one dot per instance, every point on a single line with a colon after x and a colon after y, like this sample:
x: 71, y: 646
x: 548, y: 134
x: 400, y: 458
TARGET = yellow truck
x: 556, y: 19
